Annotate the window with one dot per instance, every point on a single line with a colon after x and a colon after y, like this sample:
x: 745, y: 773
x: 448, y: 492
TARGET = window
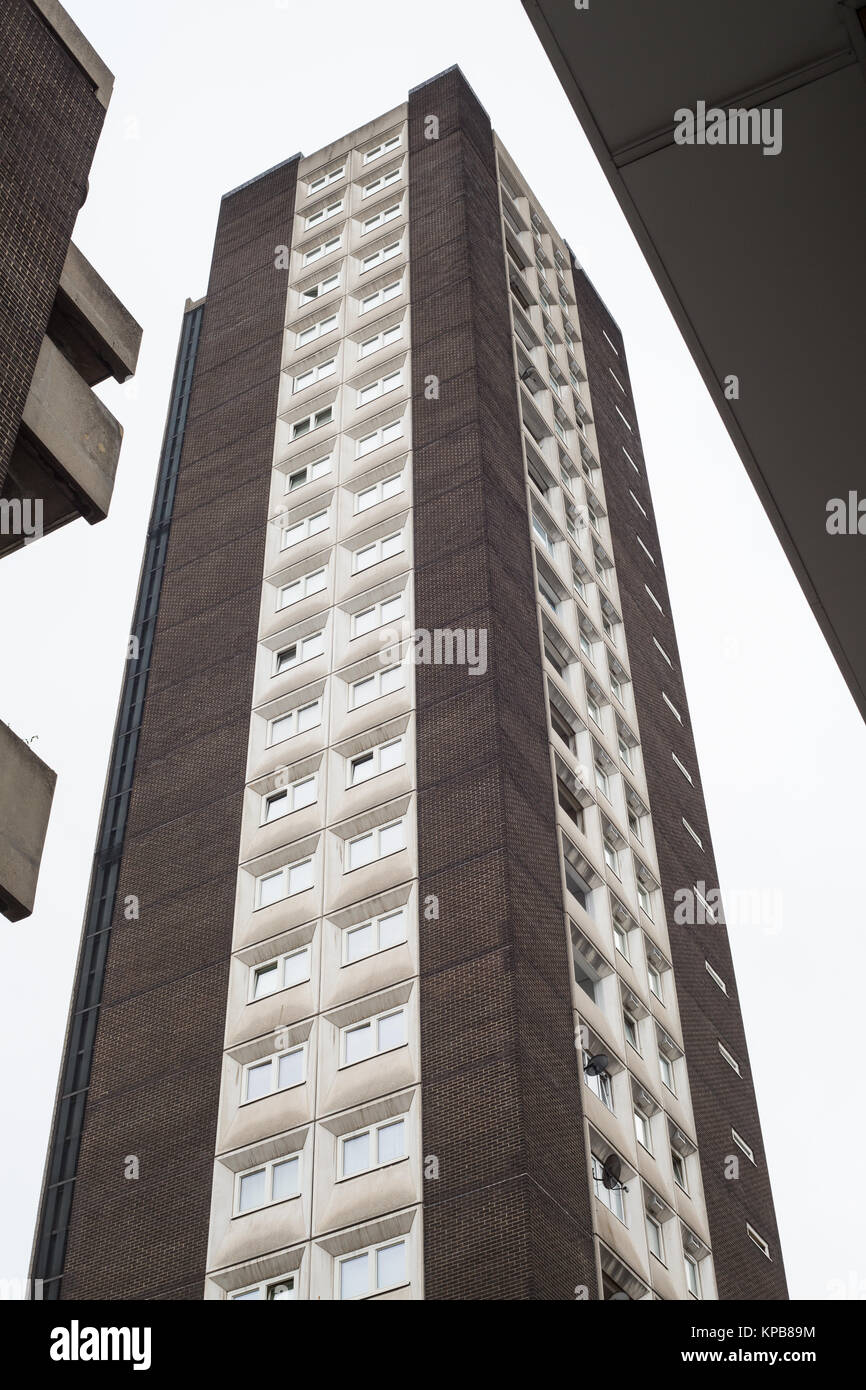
x: 638, y: 504
x: 385, y: 253
x: 374, y: 844
x: 758, y: 1240
x: 655, y: 981
x: 380, y: 1267
x: 378, y: 492
x: 612, y: 1197
x: 643, y: 896
x: 380, y: 340
x: 741, y: 1143
x: 374, y: 389
x: 280, y: 1072
x: 616, y: 378
x: 381, y: 296
x: 386, y: 434
x: 322, y: 214
x: 678, y: 1164
x: 384, y: 549
x: 382, y: 1033
x: 324, y: 248
x: 548, y: 593
x: 612, y: 344
x: 305, y: 649
x: 683, y: 769
x: 599, y: 1085
x: 622, y: 417
x: 263, y: 1186
x: 316, y: 330
x: 714, y: 975
x: 655, y: 1238
x: 275, y: 975
x: 631, y: 460
x: 371, y: 687
x: 288, y: 799
x: 316, y: 291
x: 541, y: 534
x: 625, y: 752
x: 382, y: 148
x: 380, y: 218
x: 276, y: 1290
x: 694, y: 834
x: 632, y: 1030
x: 667, y: 1070
x: 693, y: 1276
x: 305, y: 587
x: 302, y: 530
x: 658, y: 645
x: 308, y: 473
x: 372, y: 1148
x: 642, y: 1130
x: 378, y: 934
x: 297, y: 721
x: 383, y: 181
x: 602, y: 781
x: 634, y: 823
x: 672, y: 707
x: 611, y: 857
x: 586, y: 648
x: 730, y: 1059
x: 314, y: 374
x: 646, y: 552
x: 313, y: 422
x: 293, y: 878
x: 383, y: 758
x: 388, y: 611
x: 322, y: 180
x: 620, y: 940
x: 710, y: 912
x: 654, y: 599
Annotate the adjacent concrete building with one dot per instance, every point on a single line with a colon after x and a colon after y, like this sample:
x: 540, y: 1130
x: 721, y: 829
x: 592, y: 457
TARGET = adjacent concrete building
x: 61, y: 332
x: 61, y: 328
x: 386, y: 987
x: 753, y: 222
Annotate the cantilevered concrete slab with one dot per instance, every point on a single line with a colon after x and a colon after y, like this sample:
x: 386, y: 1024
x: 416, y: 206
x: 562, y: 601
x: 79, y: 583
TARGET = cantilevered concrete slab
x: 760, y: 256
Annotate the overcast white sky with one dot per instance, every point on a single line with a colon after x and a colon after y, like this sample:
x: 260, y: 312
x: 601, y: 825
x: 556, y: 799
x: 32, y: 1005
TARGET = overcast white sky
x: 210, y: 93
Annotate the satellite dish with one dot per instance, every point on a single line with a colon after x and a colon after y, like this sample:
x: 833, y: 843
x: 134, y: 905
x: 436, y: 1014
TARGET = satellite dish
x: 597, y: 1064
x: 610, y: 1173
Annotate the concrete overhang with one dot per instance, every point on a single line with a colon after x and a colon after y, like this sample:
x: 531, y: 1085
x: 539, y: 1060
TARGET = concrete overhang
x: 760, y: 257
x: 65, y: 458
x: 95, y: 331
x: 26, y: 793
x: 77, y: 45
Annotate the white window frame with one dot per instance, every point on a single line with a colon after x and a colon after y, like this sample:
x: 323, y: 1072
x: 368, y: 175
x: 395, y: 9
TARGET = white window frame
x: 683, y: 769
x: 294, y: 715
x: 656, y: 1226
x: 679, y: 1159
x: 306, y: 527
x: 371, y: 1252
x: 654, y: 599
x: 285, y: 872
x: 384, y: 147
x: 383, y: 181
x: 323, y: 180
x: 316, y: 469
x: 324, y: 214
x: 268, y: 1168
x: 310, y: 375
x: 661, y: 649
x: 372, y: 1131
x: 305, y: 591
x: 377, y: 610
x: 315, y: 421
x: 287, y: 794
x: 612, y: 1198
x: 741, y: 1144
x: 374, y: 1020
x: 666, y: 1067
x: 380, y: 340
x: 319, y: 329
x: 624, y: 420
x: 324, y: 248
x: 378, y: 547
x: 302, y: 655
x: 642, y: 1130
x: 380, y: 296
x: 320, y: 288
x: 714, y: 975
x: 375, y: 925
x: 692, y: 1264
x: 378, y: 438
x: 694, y: 834
x: 729, y: 1058
x: 376, y: 751
x: 379, y: 489
x: 385, y: 253
x: 377, y: 677
x: 645, y: 549
x: 376, y: 836
x: 672, y: 707
x: 758, y: 1240
x: 289, y: 1282
x: 280, y: 963
x: 373, y: 390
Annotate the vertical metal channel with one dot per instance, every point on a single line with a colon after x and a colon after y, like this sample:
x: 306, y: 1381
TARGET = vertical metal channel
x: 49, y: 1249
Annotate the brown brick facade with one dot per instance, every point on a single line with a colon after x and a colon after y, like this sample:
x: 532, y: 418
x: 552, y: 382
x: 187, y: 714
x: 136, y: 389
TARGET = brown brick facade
x: 509, y: 1216
x: 50, y: 120
x: 154, y: 1084
x: 720, y: 1098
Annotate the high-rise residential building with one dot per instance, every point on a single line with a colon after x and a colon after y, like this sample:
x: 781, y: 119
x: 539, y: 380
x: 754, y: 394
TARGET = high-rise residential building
x: 403, y: 972
x: 62, y: 331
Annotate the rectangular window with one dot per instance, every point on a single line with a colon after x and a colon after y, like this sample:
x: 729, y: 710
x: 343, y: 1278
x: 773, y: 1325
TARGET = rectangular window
x: 280, y: 1072
x: 379, y: 492
x: 382, y: 148
x: 381, y: 1267
x: 611, y: 1197
x: 672, y: 707
x: 642, y: 1130
x: 383, y: 758
x: 273, y: 1291
x: 304, y: 587
x: 693, y: 1276
x: 382, y: 1033
x: 667, y: 1070
x: 620, y: 940
x: 380, y: 218
x: 655, y: 1239
x: 758, y: 1240
x: 275, y: 975
x: 322, y: 180
x: 374, y: 389
x: 599, y: 1085
x: 372, y: 1148
x: 386, y: 434
x: 374, y: 844
x: 324, y: 248
x: 380, y: 340
x: 383, y: 181
x: 654, y: 599
x: 678, y: 1164
x: 302, y: 530
x: 661, y: 649
x: 611, y: 857
x: 263, y: 1187
x: 297, y: 721
x: 378, y: 934
x: 385, y: 253
x: 655, y: 981
x: 390, y: 610
x: 632, y: 1030
x: 624, y: 420
x: 646, y: 552
x: 313, y: 422
x: 373, y: 554
x: 314, y: 374
x: 322, y: 214
x: 303, y: 650
x: 316, y: 330
x: 683, y: 769
x: 371, y: 687
x: 288, y: 799
x: 372, y: 301
x: 730, y: 1059
x: 283, y: 883
x: 323, y: 287
x: 308, y: 473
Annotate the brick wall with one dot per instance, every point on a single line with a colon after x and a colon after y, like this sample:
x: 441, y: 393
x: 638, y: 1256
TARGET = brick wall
x: 155, y: 1078
x: 50, y: 120
x: 509, y: 1216
x: 720, y: 1098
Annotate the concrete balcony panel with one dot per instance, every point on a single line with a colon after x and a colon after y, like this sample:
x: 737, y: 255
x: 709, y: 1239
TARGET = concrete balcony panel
x: 90, y: 325
x: 26, y: 792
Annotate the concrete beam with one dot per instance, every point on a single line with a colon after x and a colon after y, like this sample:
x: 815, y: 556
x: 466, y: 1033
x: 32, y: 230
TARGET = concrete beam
x: 26, y: 793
